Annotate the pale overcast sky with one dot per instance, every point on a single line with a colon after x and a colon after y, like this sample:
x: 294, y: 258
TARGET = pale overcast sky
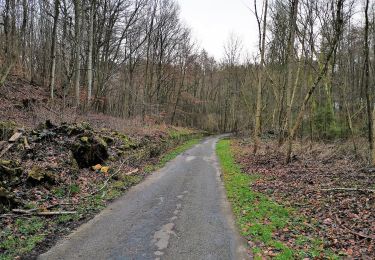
x: 212, y: 21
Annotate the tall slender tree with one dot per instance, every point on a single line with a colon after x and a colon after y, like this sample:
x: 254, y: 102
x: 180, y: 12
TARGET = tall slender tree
x: 262, y: 48
x: 77, y: 59
x: 54, y: 48
x: 90, y: 52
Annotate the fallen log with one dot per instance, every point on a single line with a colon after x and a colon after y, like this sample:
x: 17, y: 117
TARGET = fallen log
x: 14, y: 138
x: 41, y: 213
x: 38, y: 210
x: 359, y: 234
x: 52, y: 213
x: 26, y: 143
x: 11, y: 142
x: 23, y: 211
x: 349, y: 189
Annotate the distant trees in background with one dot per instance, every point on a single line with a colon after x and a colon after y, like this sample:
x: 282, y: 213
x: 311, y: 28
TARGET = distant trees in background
x: 320, y: 70
x: 127, y: 58
x: 313, y: 77
x: 131, y: 58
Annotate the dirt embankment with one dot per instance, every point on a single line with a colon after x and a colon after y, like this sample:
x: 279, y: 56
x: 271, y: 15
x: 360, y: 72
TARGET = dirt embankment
x: 58, y: 176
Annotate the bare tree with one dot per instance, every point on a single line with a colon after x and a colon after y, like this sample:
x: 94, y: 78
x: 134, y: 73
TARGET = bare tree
x: 53, y: 49
x: 262, y: 49
x: 78, y: 36
x: 337, y: 25
x: 90, y: 50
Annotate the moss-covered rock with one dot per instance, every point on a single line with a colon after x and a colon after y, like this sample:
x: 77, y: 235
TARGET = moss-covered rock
x: 39, y: 175
x: 89, y: 151
x: 75, y: 129
x: 85, y: 125
x: 73, y: 165
x: 109, y: 140
x: 8, y: 200
x: 7, y: 129
x: 101, y: 141
x: 10, y: 173
x: 127, y: 142
x: 84, y: 139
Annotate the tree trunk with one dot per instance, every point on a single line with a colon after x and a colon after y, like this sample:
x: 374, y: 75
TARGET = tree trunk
x: 89, y: 58
x: 77, y: 67
x: 53, y: 49
x: 258, y: 114
x: 367, y: 77
x: 290, y: 68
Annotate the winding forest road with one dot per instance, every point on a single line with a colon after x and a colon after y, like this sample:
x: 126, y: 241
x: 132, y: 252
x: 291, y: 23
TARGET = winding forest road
x: 179, y: 212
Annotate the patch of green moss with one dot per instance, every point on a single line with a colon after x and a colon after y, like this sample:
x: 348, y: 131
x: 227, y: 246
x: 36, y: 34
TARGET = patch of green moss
x: 5, y: 162
x: 85, y: 126
x: 67, y: 218
x: 84, y: 139
x: 74, y: 189
x: 118, y: 184
x: 7, y: 129
x: 59, y: 192
x: 149, y: 168
x: 112, y: 194
x: 109, y: 140
x: 31, y: 205
x: 10, y: 167
x: 127, y: 142
x: 38, y: 174
x: 101, y: 141
x: 27, y: 237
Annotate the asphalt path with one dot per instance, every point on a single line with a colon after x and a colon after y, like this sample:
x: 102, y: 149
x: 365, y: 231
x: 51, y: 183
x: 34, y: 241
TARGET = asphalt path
x: 178, y: 212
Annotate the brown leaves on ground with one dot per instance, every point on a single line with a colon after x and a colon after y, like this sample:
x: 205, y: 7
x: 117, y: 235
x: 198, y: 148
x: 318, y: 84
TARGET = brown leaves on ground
x: 344, y: 219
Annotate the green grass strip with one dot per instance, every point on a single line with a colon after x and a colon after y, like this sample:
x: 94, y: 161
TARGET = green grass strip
x: 178, y: 150
x: 173, y: 154
x: 257, y: 216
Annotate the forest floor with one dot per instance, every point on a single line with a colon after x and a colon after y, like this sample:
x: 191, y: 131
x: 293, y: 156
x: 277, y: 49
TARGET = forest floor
x: 62, y: 168
x: 321, y: 205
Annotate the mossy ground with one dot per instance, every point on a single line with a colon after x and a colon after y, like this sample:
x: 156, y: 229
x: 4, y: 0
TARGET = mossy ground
x: 27, y: 237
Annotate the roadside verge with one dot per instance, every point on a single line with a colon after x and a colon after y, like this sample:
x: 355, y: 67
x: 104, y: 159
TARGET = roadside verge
x: 261, y: 220
x: 53, y: 193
